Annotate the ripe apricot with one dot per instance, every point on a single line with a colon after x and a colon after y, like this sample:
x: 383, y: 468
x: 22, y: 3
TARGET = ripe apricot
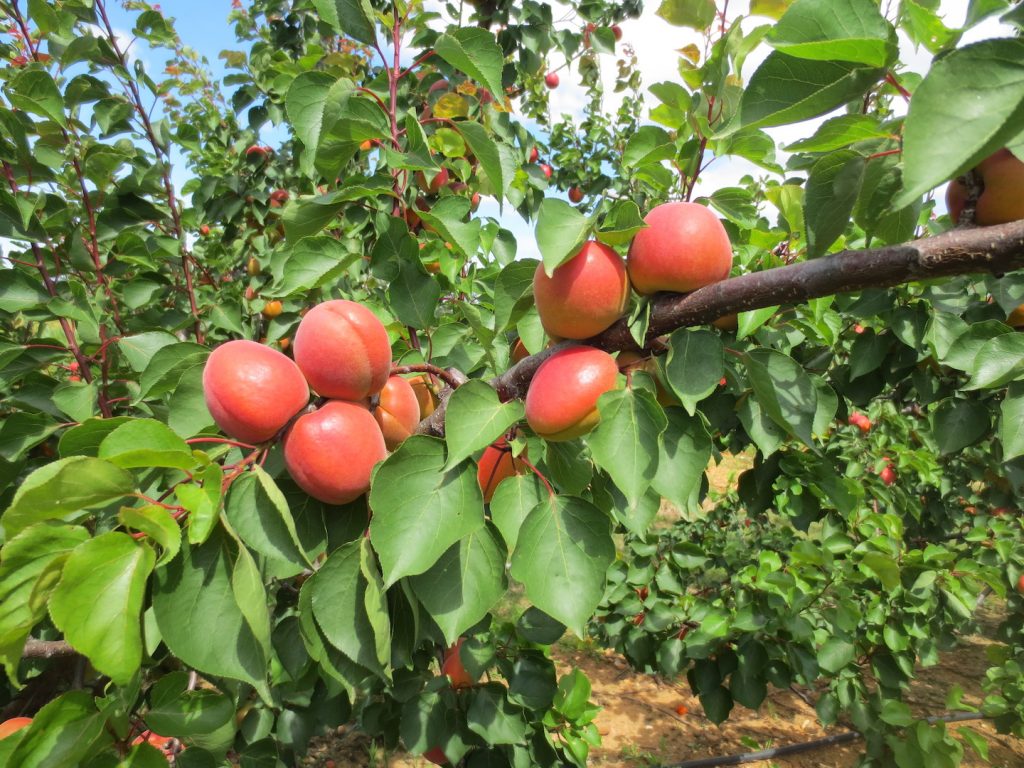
x: 435, y: 184
x: 252, y: 266
x: 7, y: 727
x: 561, y: 402
x: 436, y: 756
x: 1020, y: 587
x: 426, y: 394
x: 272, y: 309
x: 584, y: 295
x: 252, y: 390
x: 496, y: 464
x: 331, y: 452
x: 575, y: 194
x: 453, y: 667
x: 684, y: 247
x: 398, y: 412
x: 534, y: 154
x: 519, y: 351
x: 1001, y: 200
x: 343, y: 350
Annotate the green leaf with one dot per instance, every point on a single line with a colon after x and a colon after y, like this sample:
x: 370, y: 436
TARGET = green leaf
x: 22, y: 431
x: 66, y: 732
x: 146, y: 443
x: 684, y: 454
x: 353, y: 18
x: 820, y: 30
x: 447, y: 217
x: 338, y: 591
x: 63, y: 488
x: 251, y: 596
x: 85, y: 439
x: 513, y: 293
x: 468, y: 580
x: 561, y: 230
x: 414, y: 295
x: 785, y: 89
x: 649, y: 144
x: 696, y: 14
x: 179, y: 713
x: 784, y: 390
x: 883, y: 567
x: 166, y: 367
x: 305, y: 101
x: 491, y: 716
x: 959, y: 423
x: 30, y: 564
x: 621, y: 224
x: 98, y: 603
x: 737, y: 205
x: 194, y: 602
x: 1011, y: 422
x: 139, y: 349
x: 475, y: 52
x: 259, y: 513
x: 420, y: 509
x: 310, y: 263
x: 19, y: 293
x: 158, y: 525
x: 476, y: 418
x: 512, y: 502
x: 896, y: 713
x: 76, y: 399
x: 835, y: 654
x: 839, y: 133
x: 832, y: 190
x: 486, y: 151
x: 695, y: 365
x: 203, y: 504
x: 564, y: 548
x: 952, y: 124
x: 999, y: 361
x: 35, y: 91
x: 625, y: 442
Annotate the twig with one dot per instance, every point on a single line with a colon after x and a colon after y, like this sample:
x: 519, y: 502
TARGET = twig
x: 452, y: 377
x: 47, y: 649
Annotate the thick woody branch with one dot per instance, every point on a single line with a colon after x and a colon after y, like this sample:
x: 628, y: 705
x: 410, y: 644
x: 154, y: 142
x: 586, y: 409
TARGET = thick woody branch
x: 994, y: 250
x: 47, y: 649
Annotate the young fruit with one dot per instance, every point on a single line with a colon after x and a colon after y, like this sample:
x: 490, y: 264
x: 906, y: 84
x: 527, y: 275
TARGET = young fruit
x: 534, y: 155
x: 366, y: 145
x: 561, y: 402
x: 165, y: 744
x: 547, y: 170
x: 496, y: 464
x: 1016, y: 317
x: 257, y: 152
x: 278, y: 198
x: 888, y: 474
x: 398, y: 412
x: 331, y: 452
x: 551, y: 80
x: 1020, y: 590
x: 252, y: 390
x: 252, y: 266
x: 204, y: 230
x: 583, y: 296
x: 860, y: 421
x: 453, y: 667
x: 684, y: 247
x: 617, y: 31
x: 435, y: 184
x: 343, y: 350
x: 474, y: 201
x: 272, y: 309
x: 7, y: 727
x: 1001, y: 200
x: 575, y: 194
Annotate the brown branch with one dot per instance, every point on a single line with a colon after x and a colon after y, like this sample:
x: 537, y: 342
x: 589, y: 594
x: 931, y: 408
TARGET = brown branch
x: 47, y: 649
x: 995, y: 250
x: 452, y: 377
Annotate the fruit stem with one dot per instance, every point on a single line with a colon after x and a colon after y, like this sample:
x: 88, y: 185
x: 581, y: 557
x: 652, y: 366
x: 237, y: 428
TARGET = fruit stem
x: 450, y: 379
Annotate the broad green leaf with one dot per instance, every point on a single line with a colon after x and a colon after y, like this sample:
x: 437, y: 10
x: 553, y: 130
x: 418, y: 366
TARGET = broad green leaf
x: 959, y: 423
x: 146, y: 443
x: 307, y: 216
x: 420, y: 509
x: 77, y: 400
x: 747, y: 323
x: 447, y: 218
x: 564, y: 548
x: 310, y: 263
x: 512, y: 502
x: 203, y: 503
x: 177, y: 712
x: 21, y: 431
x: 561, y: 230
x: 98, y: 603
x: 353, y: 18
x: 19, y: 293
x: 139, y: 349
x: 465, y: 583
x: 63, y: 488
x: 493, y: 718
x: 305, y: 103
x: 251, y: 596
x: 414, y: 295
x: 259, y: 513
x: 999, y: 361
x: 513, y: 293
x: 883, y: 567
x: 695, y: 365
x: 737, y: 205
x: 66, y: 732
x: 158, y: 525
x: 684, y: 455
x: 784, y: 390
x: 486, y: 151
x: 30, y: 565
x: 476, y: 418
x: 625, y: 442
x: 166, y: 367
x: 194, y: 602
x: 1011, y: 421
x: 952, y: 124
x: 85, y: 439
x: 649, y: 144
x: 338, y: 593
x: 696, y: 14
x: 475, y: 52
x: 785, y: 89
x: 821, y: 30
x: 832, y: 190
x: 621, y: 224
x: 35, y: 91
x: 835, y: 654
x: 839, y: 133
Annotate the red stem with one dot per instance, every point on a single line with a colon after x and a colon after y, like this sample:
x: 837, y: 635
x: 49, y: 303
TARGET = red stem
x: 224, y: 440
x: 891, y: 80
x: 885, y: 154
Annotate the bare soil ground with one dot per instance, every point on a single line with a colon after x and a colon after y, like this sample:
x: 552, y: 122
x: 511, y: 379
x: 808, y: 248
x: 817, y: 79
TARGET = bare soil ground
x: 640, y: 725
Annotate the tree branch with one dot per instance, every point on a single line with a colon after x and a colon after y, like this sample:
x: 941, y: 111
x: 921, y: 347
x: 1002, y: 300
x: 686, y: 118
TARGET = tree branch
x: 996, y: 250
x: 47, y: 649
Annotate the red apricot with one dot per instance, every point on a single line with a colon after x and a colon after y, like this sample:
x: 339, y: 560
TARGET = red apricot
x: 561, y: 402
x: 7, y: 727
x: 551, y: 80
x: 534, y: 154
x: 204, y: 230
x: 584, y: 295
x: 496, y: 464
x: 453, y: 667
x: 398, y: 412
x: 888, y: 475
x: 252, y: 390
x: 1020, y: 584
x: 1001, y: 200
x: 426, y: 394
x: 435, y: 184
x: 684, y: 247
x: 617, y: 32
x: 575, y: 194
x: 519, y: 351
x: 547, y: 170
x: 343, y: 350
x: 436, y: 756
x: 331, y: 452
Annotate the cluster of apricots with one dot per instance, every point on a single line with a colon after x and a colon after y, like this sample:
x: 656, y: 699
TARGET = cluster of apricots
x: 343, y: 353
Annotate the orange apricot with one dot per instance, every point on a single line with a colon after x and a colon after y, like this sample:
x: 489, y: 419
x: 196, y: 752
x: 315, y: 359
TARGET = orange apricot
x: 252, y: 390
x: 727, y: 322
x: 331, y: 452
x: 684, y: 247
x: 398, y: 412
x: 584, y: 295
x: 272, y: 309
x: 343, y: 350
x: 561, y: 402
x: 453, y: 667
x: 1001, y: 201
x: 7, y: 727
x: 426, y: 394
x: 496, y: 464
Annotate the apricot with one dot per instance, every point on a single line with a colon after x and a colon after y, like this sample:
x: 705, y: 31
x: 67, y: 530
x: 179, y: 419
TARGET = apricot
x: 7, y: 727
x: 1001, y: 200
x: 452, y: 666
x: 252, y: 390
x: 561, y: 402
x: 584, y: 295
x: 331, y: 452
x: 727, y: 322
x: 496, y: 464
x: 436, y: 756
x: 519, y: 351
x: 343, y: 350
x: 629, y: 360
x: 398, y: 412
x: 1020, y: 589
x: 272, y: 309
x: 435, y: 184
x: 683, y: 248
x: 426, y: 394
x: 575, y: 194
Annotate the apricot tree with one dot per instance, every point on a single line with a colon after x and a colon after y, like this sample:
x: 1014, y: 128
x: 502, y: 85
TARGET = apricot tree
x: 285, y: 417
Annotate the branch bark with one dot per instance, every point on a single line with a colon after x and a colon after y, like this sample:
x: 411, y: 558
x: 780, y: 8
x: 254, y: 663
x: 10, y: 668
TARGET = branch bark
x: 995, y: 250
x: 47, y: 649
